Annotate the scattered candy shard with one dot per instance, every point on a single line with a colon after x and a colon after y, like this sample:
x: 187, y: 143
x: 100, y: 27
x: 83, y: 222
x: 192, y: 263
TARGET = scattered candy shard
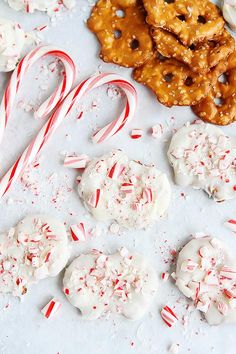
x: 136, y: 134
x: 231, y: 224
x: 168, y: 316
x: 78, y: 232
x: 51, y: 308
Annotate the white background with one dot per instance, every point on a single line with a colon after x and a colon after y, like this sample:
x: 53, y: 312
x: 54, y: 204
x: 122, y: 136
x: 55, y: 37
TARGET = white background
x: 23, y: 329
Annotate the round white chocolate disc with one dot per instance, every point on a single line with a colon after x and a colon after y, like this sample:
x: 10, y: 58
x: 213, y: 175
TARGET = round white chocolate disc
x: 133, y: 194
x: 206, y: 273
x: 123, y: 283
x: 35, y: 249
x: 203, y: 157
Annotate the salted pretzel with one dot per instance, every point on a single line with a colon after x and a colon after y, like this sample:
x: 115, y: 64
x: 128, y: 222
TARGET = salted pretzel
x: 172, y: 81
x: 122, y: 31
x: 192, y: 21
x: 219, y: 107
x: 200, y: 57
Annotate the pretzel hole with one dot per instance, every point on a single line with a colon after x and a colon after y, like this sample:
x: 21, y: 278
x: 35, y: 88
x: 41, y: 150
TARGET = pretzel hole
x: 189, y: 81
x: 117, y: 34
x: 134, y: 44
x: 223, y: 79
x: 219, y: 101
x: 201, y: 19
x: 181, y: 18
x: 192, y: 47
x: 168, y: 77
x: 161, y: 57
x: 120, y: 13
x: 169, y: 1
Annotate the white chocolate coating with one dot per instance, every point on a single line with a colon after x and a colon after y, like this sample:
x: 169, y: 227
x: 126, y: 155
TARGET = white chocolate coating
x: 130, y: 209
x: 12, y: 41
x: 229, y: 13
x: 35, y: 249
x: 203, y: 157
x: 122, y: 283
x: 48, y: 6
x: 206, y: 273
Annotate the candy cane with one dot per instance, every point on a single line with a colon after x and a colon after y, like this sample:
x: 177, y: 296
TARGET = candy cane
x: 18, y: 75
x: 99, y: 80
x: 57, y: 117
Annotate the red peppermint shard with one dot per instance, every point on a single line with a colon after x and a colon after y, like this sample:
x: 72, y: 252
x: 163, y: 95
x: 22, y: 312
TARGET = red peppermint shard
x: 136, y: 134
x: 168, y: 316
x: 51, y: 308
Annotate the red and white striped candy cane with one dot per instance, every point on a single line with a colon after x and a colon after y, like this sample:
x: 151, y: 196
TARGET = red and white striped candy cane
x: 33, y: 150
x: 17, y: 77
x: 86, y: 86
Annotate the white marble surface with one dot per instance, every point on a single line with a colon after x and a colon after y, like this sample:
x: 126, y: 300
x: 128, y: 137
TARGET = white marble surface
x: 22, y: 327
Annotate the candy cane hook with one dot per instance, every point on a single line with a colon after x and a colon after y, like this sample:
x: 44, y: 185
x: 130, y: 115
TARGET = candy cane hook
x: 17, y: 77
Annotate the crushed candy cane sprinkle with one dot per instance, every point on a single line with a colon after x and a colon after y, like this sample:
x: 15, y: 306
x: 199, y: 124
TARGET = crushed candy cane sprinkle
x: 78, y: 232
x: 231, y: 225
x: 51, y: 308
x: 168, y: 316
x: 165, y: 276
x: 76, y: 161
x: 136, y: 134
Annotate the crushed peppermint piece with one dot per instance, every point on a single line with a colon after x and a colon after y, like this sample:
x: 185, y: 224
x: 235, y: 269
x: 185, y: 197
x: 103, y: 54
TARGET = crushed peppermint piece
x: 165, y: 276
x: 169, y: 316
x: 115, y: 171
x: 127, y: 187
x: 189, y: 266
x: 94, y: 199
x: 174, y: 349
x: 147, y: 195
x: 76, y: 161
x: 51, y: 308
x: 231, y: 224
x: 157, y: 131
x: 136, y: 133
x: 114, y: 228
x: 78, y: 232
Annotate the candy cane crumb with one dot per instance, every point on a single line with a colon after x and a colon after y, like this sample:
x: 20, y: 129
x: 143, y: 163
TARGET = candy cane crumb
x: 51, y: 308
x: 174, y: 348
